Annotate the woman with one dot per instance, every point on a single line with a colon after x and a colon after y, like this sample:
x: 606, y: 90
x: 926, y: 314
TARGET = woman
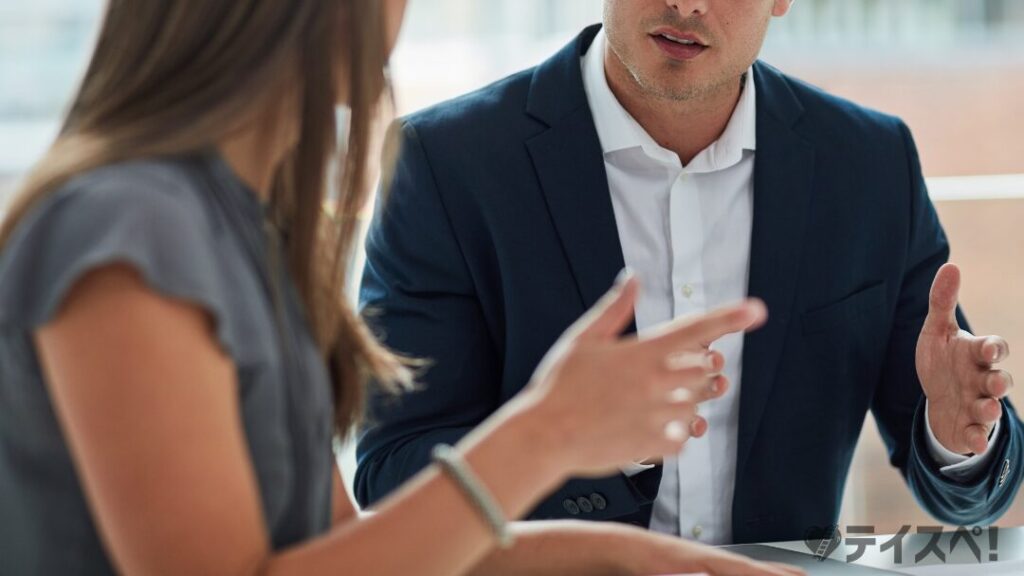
x: 176, y: 356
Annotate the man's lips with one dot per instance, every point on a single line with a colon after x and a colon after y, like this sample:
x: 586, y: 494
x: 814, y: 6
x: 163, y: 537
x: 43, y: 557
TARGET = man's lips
x: 678, y: 45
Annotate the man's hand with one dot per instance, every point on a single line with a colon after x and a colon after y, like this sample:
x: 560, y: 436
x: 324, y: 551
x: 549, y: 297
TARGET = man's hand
x: 956, y: 372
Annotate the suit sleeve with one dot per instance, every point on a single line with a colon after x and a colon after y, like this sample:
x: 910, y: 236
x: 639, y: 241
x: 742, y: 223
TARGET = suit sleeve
x: 418, y: 297
x: 899, y: 403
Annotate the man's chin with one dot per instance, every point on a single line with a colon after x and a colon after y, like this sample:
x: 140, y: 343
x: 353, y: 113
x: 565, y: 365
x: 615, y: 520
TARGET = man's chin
x: 690, y: 88
x: 678, y: 92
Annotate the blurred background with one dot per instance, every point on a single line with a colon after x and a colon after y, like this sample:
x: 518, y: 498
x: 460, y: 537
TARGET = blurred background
x: 952, y: 69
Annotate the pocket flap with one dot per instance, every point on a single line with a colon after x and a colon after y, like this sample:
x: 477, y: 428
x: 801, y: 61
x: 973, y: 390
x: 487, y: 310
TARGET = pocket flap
x: 846, y: 309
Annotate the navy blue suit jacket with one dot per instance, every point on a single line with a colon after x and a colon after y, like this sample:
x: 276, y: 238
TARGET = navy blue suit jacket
x: 498, y: 232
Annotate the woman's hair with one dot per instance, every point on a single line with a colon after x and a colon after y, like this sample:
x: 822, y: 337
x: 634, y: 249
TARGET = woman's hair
x: 173, y: 77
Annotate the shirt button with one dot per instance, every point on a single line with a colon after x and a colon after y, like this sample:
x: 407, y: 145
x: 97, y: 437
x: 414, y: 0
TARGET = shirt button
x: 697, y: 531
x: 586, y: 506
x: 687, y: 290
x: 571, y: 506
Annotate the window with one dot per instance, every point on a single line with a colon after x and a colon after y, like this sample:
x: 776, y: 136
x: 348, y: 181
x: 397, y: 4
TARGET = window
x: 43, y: 49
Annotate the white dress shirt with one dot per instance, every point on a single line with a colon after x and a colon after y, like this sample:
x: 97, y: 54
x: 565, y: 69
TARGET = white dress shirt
x: 685, y: 232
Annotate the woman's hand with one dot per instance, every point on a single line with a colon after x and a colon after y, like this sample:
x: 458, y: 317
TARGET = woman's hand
x: 603, y: 399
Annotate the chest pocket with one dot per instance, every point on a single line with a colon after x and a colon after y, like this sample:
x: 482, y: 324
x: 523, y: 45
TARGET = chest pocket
x: 847, y: 338
x: 849, y: 309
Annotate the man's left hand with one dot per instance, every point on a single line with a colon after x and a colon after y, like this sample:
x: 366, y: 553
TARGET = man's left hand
x: 957, y: 374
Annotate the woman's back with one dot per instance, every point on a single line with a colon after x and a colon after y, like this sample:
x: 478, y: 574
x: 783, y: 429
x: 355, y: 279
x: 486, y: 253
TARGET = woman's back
x: 193, y: 232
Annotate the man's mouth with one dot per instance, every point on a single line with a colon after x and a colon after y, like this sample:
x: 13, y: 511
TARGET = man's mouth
x: 683, y: 41
x: 679, y: 46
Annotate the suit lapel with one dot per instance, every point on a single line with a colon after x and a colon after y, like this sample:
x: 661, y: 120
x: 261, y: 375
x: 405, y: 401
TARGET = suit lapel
x: 570, y: 166
x: 783, y: 186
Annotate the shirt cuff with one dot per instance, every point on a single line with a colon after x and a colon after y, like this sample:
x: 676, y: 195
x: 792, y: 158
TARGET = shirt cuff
x: 958, y: 466
x: 634, y: 468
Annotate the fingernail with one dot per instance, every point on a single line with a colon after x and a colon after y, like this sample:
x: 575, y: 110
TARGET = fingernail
x: 709, y: 361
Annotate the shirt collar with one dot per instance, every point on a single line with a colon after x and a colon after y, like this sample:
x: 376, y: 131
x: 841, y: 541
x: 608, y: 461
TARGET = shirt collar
x: 619, y: 131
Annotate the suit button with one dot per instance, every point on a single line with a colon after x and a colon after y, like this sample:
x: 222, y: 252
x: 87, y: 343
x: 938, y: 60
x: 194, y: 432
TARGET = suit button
x: 571, y: 507
x: 585, y: 505
x: 1005, y: 472
x: 598, y: 501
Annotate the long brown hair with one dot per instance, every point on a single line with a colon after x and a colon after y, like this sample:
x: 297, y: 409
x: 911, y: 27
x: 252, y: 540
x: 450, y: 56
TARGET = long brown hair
x: 172, y: 77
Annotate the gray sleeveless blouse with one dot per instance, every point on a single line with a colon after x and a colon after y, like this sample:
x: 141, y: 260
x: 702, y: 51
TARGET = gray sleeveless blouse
x: 195, y: 233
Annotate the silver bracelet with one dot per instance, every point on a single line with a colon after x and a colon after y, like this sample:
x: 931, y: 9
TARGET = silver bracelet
x: 452, y: 464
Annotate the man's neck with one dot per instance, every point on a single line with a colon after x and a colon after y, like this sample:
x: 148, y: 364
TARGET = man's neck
x: 685, y: 127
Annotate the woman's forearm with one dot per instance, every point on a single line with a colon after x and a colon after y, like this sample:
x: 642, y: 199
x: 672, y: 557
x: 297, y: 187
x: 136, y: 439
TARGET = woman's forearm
x: 429, y: 526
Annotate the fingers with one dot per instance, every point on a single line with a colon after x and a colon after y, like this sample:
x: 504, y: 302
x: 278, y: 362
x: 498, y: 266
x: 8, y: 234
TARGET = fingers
x: 687, y: 333
x: 613, y: 313
x: 717, y: 389
x: 698, y: 427
x: 676, y: 425
x: 697, y: 379
x: 696, y: 388
x: 712, y: 360
x: 986, y: 411
x: 977, y: 438
x: 996, y: 383
x: 679, y: 395
x: 683, y: 414
x: 982, y: 389
x: 989, y: 350
x: 942, y: 300
x: 676, y: 432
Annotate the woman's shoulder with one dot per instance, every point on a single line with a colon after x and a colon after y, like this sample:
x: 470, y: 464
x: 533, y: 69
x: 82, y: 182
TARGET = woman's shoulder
x: 153, y: 215
x: 159, y: 189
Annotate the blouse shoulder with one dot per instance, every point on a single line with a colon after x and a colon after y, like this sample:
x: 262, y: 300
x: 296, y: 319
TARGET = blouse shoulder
x: 152, y: 215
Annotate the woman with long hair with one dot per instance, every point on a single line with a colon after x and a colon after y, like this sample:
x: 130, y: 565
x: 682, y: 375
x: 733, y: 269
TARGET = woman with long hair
x: 177, y: 355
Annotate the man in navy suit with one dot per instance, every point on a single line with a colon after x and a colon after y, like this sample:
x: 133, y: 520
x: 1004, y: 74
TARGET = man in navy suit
x: 660, y: 143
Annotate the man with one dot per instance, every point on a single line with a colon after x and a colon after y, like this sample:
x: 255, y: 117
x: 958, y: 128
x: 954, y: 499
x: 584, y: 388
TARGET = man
x: 658, y: 142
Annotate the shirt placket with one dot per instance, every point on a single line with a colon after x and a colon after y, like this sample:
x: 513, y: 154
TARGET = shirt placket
x: 689, y: 297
